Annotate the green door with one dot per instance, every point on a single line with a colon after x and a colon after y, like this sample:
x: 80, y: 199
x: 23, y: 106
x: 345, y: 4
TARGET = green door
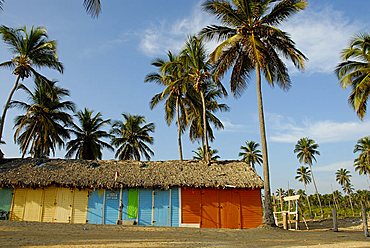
x: 132, y: 205
x: 5, y: 199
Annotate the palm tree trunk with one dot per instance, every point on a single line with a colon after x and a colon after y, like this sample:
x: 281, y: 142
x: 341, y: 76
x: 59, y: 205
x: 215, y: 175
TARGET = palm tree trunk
x: 6, y: 106
x: 317, y: 192
x: 205, y: 138
x: 350, y: 201
x: 308, y: 201
x: 178, y: 127
x: 268, y: 215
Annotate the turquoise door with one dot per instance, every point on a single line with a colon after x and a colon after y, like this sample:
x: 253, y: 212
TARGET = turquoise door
x: 145, y: 207
x: 5, y: 199
x: 111, y: 208
x: 161, y: 208
x: 95, y: 207
x: 175, y: 207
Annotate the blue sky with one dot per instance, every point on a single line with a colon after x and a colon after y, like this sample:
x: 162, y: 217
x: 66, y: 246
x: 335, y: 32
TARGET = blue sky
x: 106, y: 60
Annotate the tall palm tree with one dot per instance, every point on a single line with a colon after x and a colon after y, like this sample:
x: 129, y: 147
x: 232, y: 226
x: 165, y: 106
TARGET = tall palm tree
x: 199, y: 73
x: 251, y: 154
x: 93, y: 7
x: 212, y: 95
x: 362, y: 162
x: 354, y: 72
x: 304, y: 176
x: 199, y: 154
x: 131, y: 137
x: 251, y: 41
x: 88, y: 143
x: 31, y: 50
x: 306, y: 149
x: 348, y: 189
x: 43, y: 127
x: 171, y: 75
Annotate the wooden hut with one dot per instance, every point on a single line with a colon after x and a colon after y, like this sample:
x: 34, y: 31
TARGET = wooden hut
x: 225, y: 194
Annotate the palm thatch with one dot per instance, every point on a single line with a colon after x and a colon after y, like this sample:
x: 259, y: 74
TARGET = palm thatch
x: 37, y: 173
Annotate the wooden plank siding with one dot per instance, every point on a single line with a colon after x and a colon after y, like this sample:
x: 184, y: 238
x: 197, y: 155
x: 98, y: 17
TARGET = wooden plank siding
x: 221, y: 208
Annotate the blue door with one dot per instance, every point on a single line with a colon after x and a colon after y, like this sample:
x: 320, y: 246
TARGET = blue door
x: 175, y: 207
x: 145, y: 207
x: 111, y: 208
x: 5, y: 199
x: 95, y: 207
x: 161, y: 208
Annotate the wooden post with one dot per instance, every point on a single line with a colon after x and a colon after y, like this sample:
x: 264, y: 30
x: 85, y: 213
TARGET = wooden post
x: 364, y: 220
x: 335, y: 222
x: 285, y: 220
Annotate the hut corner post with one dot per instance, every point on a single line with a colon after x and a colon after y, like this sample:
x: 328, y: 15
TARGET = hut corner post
x: 335, y: 220
x: 364, y: 220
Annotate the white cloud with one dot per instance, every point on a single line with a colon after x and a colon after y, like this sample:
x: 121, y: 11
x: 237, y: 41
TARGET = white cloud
x: 164, y: 36
x: 233, y: 127
x: 321, y: 35
x: 287, y: 130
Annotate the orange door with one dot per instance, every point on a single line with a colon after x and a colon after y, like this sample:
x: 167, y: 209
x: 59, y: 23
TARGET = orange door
x: 190, y: 206
x: 251, y: 208
x: 230, y: 208
x: 210, y: 208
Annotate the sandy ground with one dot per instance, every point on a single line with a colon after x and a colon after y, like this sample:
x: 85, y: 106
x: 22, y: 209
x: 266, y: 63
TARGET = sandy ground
x: 23, y: 234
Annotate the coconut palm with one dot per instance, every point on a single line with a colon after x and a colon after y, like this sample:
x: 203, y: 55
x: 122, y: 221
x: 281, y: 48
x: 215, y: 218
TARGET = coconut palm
x: 304, y: 176
x: 212, y: 95
x: 176, y: 93
x: 362, y: 162
x: 88, y: 143
x: 43, y: 127
x: 31, y: 50
x: 354, y: 72
x: 198, y: 69
x: 131, y: 137
x: 306, y: 149
x: 251, y: 40
x: 343, y: 176
x: 199, y: 154
x: 348, y: 189
x: 251, y: 154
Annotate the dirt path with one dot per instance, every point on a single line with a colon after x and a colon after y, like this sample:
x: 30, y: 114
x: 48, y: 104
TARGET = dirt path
x: 22, y: 234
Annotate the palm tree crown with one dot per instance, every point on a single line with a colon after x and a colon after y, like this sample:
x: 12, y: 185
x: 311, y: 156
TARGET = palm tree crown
x: 354, y: 71
x: 251, y: 154
x: 306, y: 150
x: 88, y: 143
x: 343, y: 176
x: 304, y: 175
x: 199, y: 154
x: 42, y: 127
x: 131, y: 137
x: 362, y: 162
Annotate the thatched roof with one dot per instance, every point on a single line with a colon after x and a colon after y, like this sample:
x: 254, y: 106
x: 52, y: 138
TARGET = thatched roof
x: 101, y: 174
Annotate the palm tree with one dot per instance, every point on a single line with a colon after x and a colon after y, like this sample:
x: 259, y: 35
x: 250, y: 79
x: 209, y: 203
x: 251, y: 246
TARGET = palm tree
x: 43, y: 127
x: 131, y: 137
x: 251, y: 41
x: 362, y: 162
x: 306, y: 149
x: 93, y: 7
x: 348, y: 189
x: 343, y: 176
x: 88, y: 143
x: 251, y: 154
x: 354, y: 71
x: 199, y: 154
x: 199, y: 73
x: 212, y: 95
x: 31, y: 50
x: 171, y: 75
x: 304, y: 176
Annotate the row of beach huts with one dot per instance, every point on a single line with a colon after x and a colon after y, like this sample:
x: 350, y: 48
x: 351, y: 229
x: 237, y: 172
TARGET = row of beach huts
x: 225, y: 194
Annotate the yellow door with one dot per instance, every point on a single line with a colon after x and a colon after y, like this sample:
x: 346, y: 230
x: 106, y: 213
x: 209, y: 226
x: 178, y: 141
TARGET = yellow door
x: 33, y: 208
x: 50, y: 197
x: 63, y: 208
x: 80, y: 206
x: 19, y: 202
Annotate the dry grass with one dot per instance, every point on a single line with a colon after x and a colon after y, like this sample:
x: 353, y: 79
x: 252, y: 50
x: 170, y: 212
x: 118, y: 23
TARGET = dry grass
x: 23, y: 234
